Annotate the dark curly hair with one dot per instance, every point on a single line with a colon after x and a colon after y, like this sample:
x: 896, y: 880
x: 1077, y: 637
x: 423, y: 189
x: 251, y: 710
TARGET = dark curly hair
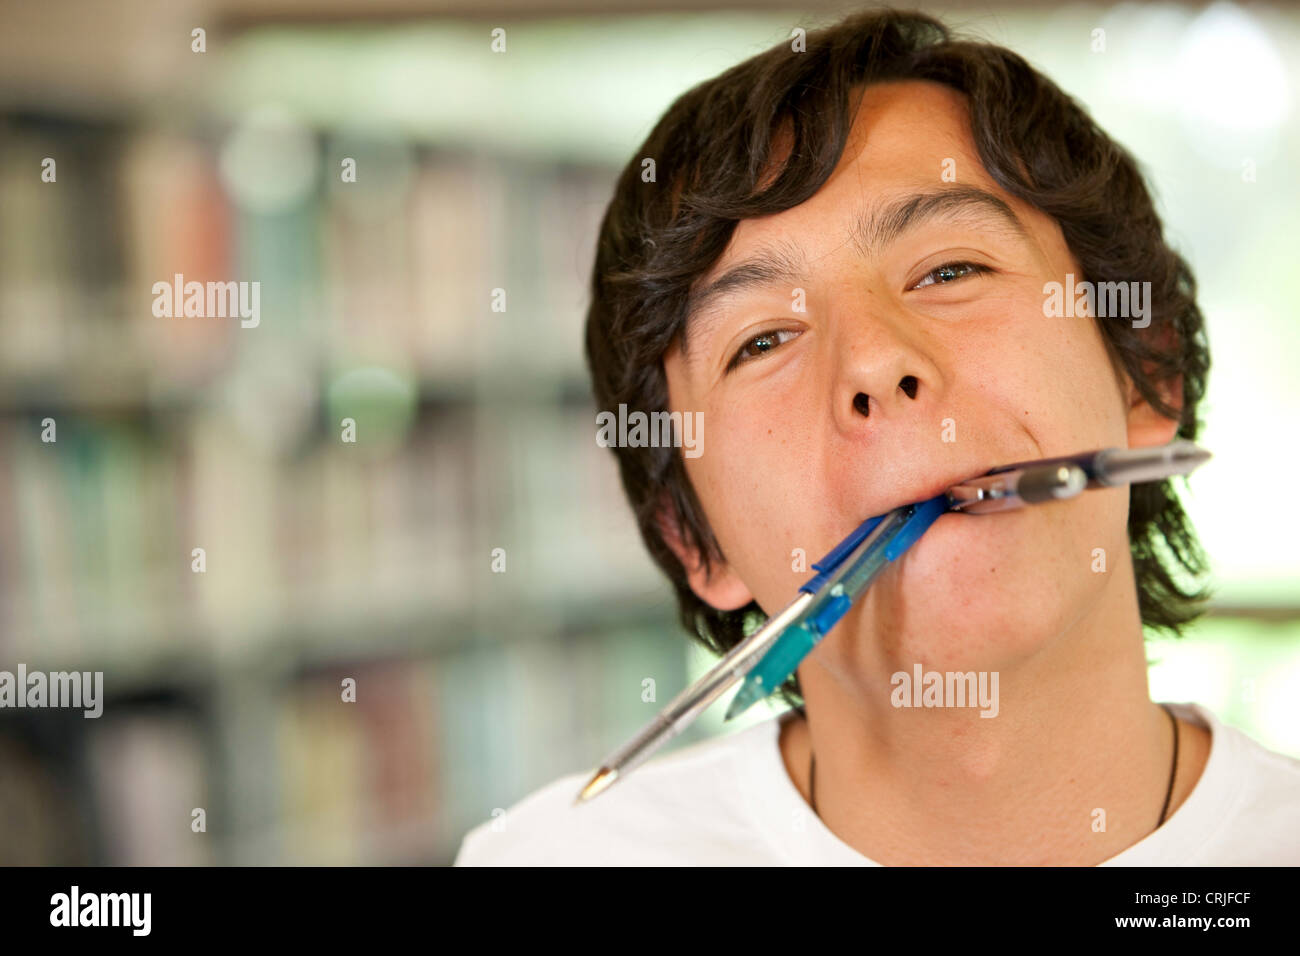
x: 721, y: 156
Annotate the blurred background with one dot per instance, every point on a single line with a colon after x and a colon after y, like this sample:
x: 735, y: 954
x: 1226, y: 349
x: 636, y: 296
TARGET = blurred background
x: 475, y: 171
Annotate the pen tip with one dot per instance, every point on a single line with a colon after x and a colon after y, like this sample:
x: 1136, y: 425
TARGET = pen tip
x: 1194, y: 456
x: 604, y: 777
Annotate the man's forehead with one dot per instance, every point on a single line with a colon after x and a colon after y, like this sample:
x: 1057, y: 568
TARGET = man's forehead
x: 907, y: 136
x: 910, y: 132
x: 916, y: 109
x: 895, y: 120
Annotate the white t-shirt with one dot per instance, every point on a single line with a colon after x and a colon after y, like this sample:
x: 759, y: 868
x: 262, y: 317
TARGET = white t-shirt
x: 729, y: 801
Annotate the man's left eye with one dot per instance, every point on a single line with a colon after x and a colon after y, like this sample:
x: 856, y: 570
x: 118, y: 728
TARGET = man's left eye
x: 950, y: 272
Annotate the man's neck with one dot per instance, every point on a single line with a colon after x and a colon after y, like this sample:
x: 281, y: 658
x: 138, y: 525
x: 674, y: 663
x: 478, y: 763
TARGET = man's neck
x: 1073, y: 770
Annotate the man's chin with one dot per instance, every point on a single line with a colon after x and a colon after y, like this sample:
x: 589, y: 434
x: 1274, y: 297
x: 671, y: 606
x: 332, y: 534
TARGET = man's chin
x: 961, y: 598
x: 964, y: 549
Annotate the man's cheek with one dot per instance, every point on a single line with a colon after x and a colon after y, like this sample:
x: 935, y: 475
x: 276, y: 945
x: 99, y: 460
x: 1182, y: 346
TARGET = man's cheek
x: 764, y: 496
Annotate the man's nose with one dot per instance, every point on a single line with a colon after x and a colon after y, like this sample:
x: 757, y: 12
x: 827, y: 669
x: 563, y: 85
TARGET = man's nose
x: 908, y: 385
x: 884, y: 369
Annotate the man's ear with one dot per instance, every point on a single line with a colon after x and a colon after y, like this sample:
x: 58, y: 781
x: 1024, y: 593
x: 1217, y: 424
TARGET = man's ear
x: 1146, y: 426
x: 723, y: 590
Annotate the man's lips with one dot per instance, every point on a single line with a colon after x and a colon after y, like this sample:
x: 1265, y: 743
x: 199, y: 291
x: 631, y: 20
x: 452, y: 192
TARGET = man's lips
x: 937, y: 487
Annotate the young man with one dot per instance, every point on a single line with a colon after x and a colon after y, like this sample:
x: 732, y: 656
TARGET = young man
x: 844, y: 265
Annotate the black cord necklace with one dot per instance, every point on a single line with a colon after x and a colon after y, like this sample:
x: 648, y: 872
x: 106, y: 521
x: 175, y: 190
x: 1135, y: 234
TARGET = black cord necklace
x: 1169, y: 792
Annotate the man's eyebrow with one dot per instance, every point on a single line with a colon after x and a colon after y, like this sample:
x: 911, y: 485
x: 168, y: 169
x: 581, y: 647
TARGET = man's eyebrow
x: 885, y: 225
x: 776, y: 265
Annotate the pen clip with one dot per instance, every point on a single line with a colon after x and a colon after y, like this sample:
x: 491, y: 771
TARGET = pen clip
x: 836, y: 555
x: 1086, y: 461
x: 926, y: 513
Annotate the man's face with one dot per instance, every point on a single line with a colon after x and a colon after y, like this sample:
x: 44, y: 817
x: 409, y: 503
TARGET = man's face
x: 921, y: 356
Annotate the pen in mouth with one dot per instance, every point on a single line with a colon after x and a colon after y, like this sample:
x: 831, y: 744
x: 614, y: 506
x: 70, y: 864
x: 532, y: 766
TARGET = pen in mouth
x: 1048, y: 479
x: 765, y: 658
x: 1014, y: 489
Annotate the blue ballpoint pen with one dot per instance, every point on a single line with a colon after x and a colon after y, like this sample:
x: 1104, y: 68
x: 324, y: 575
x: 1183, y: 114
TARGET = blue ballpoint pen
x: 843, y: 575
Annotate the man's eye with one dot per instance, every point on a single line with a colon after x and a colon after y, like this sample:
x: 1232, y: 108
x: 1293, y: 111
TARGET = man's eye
x: 950, y: 272
x: 763, y: 342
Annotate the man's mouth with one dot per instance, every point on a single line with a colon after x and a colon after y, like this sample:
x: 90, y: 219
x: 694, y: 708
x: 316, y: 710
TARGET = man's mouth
x: 937, y: 487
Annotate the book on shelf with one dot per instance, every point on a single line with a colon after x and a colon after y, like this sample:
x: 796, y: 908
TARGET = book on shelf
x: 149, y: 776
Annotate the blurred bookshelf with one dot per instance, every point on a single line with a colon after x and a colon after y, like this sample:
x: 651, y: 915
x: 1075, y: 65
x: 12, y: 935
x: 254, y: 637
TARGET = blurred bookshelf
x: 324, y: 560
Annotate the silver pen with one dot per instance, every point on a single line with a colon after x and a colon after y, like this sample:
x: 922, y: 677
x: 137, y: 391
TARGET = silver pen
x: 1031, y: 482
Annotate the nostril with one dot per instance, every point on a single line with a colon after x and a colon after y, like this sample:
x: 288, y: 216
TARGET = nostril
x: 861, y: 403
x: 908, y: 385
